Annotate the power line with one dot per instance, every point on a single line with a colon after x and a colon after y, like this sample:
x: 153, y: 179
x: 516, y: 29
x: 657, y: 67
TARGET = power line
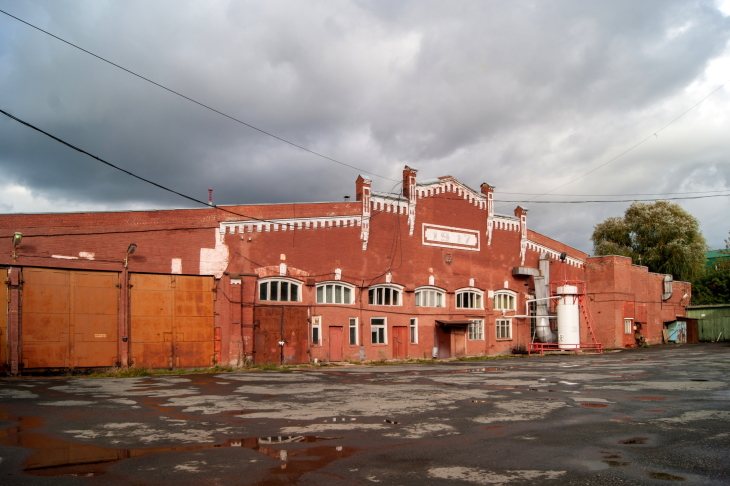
x: 197, y: 102
x: 655, y: 134
x: 131, y: 173
x: 609, y: 195
x: 531, y: 201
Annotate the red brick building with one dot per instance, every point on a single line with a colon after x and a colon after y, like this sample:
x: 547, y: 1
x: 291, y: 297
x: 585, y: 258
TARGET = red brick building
x: 433, y: 271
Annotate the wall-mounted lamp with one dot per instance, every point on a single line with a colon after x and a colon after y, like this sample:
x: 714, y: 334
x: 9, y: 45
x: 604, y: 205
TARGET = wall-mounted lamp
x: 17, y: 238
x: 130, y: 250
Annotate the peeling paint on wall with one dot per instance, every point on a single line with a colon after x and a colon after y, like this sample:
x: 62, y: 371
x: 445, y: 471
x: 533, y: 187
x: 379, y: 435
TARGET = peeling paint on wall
x: 213, y: 261
x: 177, y: 266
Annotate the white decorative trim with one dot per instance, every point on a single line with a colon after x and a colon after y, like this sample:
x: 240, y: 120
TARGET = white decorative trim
x: 555, y: 255
x: 523, y: 238
x: 241, y: 227
x: 506, y: 223
x: 490, y: 217
x: 429, y: 189
x: 451, y: 237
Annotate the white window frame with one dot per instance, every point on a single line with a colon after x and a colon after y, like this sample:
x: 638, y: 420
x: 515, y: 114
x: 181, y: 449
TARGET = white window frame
x: 386, y: 288
x: 384, y: 326
x: 334, y: 283
x: 628, y: 326
x: 279, y: 280
x: 476, y: 330
x: 413, y: 331
x: 352, y: 324
x: 501, y: 325
x: 420, y: 291
x: 499, y: 298
x: 469, y: 290
x: 316, y: 325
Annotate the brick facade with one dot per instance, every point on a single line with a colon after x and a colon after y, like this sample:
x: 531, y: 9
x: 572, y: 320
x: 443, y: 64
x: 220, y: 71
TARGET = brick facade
x: 439, y: 235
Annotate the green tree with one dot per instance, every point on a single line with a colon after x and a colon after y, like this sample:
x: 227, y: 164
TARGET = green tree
x: 713, y: 285
x: 661, y: 236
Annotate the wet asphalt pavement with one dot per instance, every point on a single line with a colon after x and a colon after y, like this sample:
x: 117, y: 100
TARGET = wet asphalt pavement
x: 644, y: 416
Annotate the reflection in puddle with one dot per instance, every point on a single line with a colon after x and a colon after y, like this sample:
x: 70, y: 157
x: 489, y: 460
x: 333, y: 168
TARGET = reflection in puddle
x: 57, y: 457
x: 594, y: 405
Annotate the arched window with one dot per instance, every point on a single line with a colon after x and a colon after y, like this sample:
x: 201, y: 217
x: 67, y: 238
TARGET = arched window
x: 280, y: 290
x: 335, y: 293
x: 430, y: 297
x: 469, y: 298
x: 388, y: 294
x: 505, y: 300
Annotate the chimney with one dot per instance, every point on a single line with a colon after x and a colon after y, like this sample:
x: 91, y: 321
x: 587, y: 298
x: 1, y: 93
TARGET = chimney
x: 486, y: 189
x: 360, y: 185
x: 210, y: 197
x: 409, y: 182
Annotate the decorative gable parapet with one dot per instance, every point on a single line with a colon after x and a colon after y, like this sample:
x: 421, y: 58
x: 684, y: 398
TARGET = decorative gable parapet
x: 363, y: 189
x: 241, y: 227
x: 488, y: 192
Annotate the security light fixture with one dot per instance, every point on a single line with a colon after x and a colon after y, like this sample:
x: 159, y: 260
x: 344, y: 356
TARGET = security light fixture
x: 17, y: 238
x: 130, y: 250
x: 563, y: 256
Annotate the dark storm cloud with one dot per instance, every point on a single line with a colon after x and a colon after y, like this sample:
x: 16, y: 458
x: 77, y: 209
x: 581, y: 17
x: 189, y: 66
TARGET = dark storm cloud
x: 524, y: 95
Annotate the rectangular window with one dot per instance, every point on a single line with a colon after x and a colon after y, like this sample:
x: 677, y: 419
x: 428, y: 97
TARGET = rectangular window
x: 414, y: 331
x: 353, y: 331
x: 504, y: 328
x: 628, y: 326
x: 316, y: 330
x: 476, y: 330
x: 377, y: 331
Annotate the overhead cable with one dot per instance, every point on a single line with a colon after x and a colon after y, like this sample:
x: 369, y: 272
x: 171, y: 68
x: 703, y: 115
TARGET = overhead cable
x: 197, y: 102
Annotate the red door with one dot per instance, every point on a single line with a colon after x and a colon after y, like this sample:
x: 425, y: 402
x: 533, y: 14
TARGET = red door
x: 400, y: 342
x: 335, y: 343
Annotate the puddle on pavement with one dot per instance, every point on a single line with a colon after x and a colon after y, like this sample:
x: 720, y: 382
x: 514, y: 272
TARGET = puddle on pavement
x: 617, y: 463
x: 657, y: 411
x: 697, y: 379
x: 594, y: 405
x: 58, y: 457
x: 634, y: 441
x: 649, y: 398
x: 665, y: 476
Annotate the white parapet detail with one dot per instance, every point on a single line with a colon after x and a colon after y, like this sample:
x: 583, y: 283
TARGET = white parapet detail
x: 554, y: 254
x: 290, y: 224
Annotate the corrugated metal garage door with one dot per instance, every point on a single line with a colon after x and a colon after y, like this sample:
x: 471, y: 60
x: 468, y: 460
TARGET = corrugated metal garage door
x: 69, y: 318
x: 172, y: 321
x: 4, y: 322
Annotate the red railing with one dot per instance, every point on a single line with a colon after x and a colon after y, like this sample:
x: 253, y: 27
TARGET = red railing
x: 542, y: 347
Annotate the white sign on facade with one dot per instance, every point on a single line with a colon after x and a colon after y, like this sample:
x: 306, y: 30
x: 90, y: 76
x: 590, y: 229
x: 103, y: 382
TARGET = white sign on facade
x: 448, y: 237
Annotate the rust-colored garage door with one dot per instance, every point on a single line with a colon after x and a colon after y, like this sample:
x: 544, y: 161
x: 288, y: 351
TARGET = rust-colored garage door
x: 280, y: 324
x: 69, y: 318
x: 172, y: 320
x: 4, y: 321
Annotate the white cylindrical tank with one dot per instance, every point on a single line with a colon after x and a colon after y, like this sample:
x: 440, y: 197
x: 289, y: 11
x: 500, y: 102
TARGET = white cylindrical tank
x: 568, y: 317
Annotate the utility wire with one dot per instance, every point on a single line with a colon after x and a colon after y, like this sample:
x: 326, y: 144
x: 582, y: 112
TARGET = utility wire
x: 197, y: 102
x: 615, y: 200
x: 131, y: 173
x: 655, y: 134
x: 610, y: 195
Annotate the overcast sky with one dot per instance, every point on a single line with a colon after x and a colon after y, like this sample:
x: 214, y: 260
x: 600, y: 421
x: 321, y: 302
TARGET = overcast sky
x: 526, y: 96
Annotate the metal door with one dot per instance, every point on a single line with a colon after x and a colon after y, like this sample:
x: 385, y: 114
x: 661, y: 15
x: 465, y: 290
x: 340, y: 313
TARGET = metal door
x: 335, y: 334
x: 4, y: 322
x: 171, y: 321
x: 280, y: 335
x: 69, y: 318
x: 400, y: 342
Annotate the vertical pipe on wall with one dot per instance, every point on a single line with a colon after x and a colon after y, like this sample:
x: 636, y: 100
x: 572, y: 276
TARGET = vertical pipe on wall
x: 14, y: 283
x: 123, y: 319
